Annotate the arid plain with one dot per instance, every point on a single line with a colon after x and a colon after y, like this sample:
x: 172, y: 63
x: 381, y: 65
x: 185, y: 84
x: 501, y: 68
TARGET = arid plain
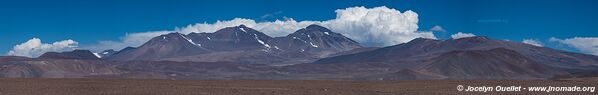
x: 42, y: 86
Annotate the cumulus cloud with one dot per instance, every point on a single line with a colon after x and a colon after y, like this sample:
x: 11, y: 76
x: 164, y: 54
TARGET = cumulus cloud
x: 34, y: 47
x: 587, y: 45
x: 461, y: 35
x: 379, y: 26
x: 532, y: 42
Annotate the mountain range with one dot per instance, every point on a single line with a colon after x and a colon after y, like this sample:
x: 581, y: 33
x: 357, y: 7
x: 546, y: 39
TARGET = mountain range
x: 313, y: 52
x: 242, y: 44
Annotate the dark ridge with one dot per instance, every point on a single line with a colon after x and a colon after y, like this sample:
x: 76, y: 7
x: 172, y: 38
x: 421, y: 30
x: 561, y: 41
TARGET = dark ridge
x: 75, y: 54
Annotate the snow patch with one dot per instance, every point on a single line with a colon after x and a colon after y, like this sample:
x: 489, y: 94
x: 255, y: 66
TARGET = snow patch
x: 260, y: 41
x: 242, y: 29
x: 190, y: 41
x: 264, y: 50
x: 276, y: 47
x: 326, y: 33
x: 163, y: 37
x: 104, y: 52
x: 312, y: 44
x: 97, y: 55
x: 300, y: 39
x: 209, y: 38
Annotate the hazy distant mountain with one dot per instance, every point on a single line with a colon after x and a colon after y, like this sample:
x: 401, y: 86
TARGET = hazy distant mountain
x: 124, y: 50
x: 75, y: 54
x: 473, y: 58
x: 12, y: 58
x: 422, y: 48
x: 18, y: 67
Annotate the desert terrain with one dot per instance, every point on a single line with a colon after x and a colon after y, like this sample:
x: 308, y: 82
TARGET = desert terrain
x: 45, y: 86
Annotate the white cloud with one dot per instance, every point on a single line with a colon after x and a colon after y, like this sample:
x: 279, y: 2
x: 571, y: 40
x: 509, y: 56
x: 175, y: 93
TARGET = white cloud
x: 461, y: 35
x: 379, y: 26
x: 275, y: 28
x: 587, y: 45
x: 532, y: 42
x: 437, y: 28
x: 34, y: 47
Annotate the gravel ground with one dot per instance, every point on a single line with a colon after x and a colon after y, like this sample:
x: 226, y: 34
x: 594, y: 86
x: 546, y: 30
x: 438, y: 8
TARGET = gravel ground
x: 39, y: 86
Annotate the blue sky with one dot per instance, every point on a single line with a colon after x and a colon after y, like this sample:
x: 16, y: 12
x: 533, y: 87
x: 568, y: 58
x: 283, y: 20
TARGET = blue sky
x: 89, y: 21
